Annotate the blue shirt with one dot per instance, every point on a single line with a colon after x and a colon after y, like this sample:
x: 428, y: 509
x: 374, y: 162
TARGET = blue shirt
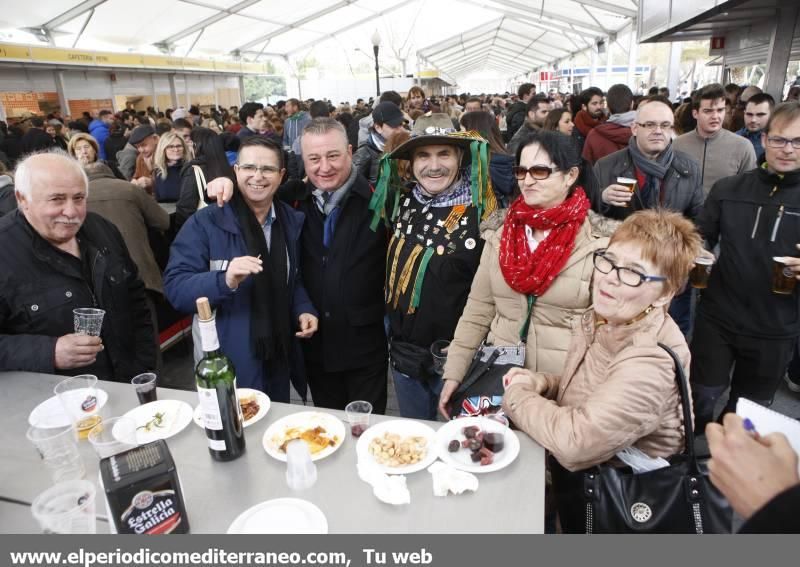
x: 755, y: 139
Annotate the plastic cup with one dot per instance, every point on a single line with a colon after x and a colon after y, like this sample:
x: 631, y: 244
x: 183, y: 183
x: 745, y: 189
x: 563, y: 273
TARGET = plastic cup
x: 67, y: 508
x: 439, y: 354
x: 358, y: 416
x: 629, y: 184
x: 494, y: 428
x: 88, y: 321
x: 700, y: 273
x: 783, y: 278
x: 301, y: 472
x: 113, y: 436
x: 57, y: 448
x: 78, y: 395
x: 145, y: 385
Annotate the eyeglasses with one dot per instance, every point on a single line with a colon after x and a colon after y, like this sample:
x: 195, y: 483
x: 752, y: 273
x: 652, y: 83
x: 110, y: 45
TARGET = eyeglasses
x: 538, y: 172
x: 665, y: 126
x: 175, y: 147
x: 628, y: 276
x: 263, y: 169
x: 778, y: 142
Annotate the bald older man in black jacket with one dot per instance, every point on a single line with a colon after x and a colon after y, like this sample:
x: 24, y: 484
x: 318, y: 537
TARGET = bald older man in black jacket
x: 56, y: 257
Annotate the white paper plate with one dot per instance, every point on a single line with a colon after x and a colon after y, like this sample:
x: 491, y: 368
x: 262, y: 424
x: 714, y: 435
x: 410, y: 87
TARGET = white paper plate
x: 461, y: 459
x: 261, y: 398
x: 281, y: 516
x: 51, y: 414
x: 404, y: 428
x: 273, y: 437
x: 177, y: 415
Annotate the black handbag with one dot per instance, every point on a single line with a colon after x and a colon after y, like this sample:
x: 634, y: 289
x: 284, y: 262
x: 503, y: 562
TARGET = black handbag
x: 484, y: 377
x: 675, y: 499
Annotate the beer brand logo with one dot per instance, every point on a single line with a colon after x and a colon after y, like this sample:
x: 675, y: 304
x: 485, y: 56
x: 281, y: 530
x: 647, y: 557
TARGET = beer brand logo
x: 89, y: 403
x: 143, y: 500
x: 788, y: 272
x: 641, y: 512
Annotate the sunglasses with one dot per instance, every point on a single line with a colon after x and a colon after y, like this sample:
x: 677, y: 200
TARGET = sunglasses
x: 538, y: 172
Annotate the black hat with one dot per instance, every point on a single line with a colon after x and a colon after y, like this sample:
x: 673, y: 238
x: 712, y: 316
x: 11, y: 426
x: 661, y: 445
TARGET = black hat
x: 435, y: 129
x: 140, y: 133
x: 388, y: 113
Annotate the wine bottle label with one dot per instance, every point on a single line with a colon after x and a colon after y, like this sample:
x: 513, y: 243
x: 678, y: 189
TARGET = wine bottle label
x: 209, y: 408
x: 217, y: 444
x: 208, y: 335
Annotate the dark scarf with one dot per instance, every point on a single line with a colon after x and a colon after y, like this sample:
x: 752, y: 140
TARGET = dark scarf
x: 654, y: 172
x: 270, y: 326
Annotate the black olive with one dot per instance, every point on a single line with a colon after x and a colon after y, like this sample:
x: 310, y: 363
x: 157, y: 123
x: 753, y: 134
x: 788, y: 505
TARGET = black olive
x: 453, y: 446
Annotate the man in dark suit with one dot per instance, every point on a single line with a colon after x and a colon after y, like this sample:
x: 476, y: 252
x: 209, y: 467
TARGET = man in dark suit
x: 343, y: 264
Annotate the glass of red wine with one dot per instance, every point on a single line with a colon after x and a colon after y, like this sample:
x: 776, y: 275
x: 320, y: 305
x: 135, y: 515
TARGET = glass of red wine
x: 145, y: 385
x: 358, y: 413
x: 494, y: 428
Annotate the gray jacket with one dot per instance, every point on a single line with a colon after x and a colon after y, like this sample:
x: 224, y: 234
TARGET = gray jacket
x: 8, y: 201
x: 681, y: 191
x: 126, y: 161
x: 722, y: 155
x: 524, y: 131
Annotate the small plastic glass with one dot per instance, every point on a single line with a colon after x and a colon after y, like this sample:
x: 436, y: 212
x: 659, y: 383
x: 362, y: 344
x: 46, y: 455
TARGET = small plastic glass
x: 358, y: 414
x: 67, y: 508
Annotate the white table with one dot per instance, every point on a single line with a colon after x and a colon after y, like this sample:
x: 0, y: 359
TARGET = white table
x: 508, y: 501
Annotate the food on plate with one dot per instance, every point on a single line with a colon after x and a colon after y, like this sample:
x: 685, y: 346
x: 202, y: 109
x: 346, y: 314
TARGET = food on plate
x: 156, y: 422
x: 394, y: 450
x: 482, y: 444
x: 249, y: 405
x: 317, y: 438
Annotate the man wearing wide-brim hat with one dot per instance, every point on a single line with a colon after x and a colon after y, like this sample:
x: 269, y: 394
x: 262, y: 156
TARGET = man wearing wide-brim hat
x: 434, y: 250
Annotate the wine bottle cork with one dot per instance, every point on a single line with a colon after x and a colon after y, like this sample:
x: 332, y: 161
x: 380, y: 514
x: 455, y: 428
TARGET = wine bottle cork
x: 204, y: 312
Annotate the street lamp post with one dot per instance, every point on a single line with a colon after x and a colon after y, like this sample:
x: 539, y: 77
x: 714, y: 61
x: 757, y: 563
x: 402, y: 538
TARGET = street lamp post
x: 376, y: 45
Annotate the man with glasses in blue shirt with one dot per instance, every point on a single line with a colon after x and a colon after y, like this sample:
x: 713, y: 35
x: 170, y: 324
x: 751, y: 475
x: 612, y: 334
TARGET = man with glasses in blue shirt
x: 665, y: 178
x: 245, y: 258
x: 743, y: 321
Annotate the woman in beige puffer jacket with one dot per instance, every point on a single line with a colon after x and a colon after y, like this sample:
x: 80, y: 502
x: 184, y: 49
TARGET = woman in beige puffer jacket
x: 496, y: 311
x: 619, y: 388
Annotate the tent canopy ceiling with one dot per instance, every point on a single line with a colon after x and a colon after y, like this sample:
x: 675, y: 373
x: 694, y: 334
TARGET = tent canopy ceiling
x: 515, y: 36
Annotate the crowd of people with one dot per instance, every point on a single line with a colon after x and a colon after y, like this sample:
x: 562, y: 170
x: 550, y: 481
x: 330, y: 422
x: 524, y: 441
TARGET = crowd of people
x: 337, y: 244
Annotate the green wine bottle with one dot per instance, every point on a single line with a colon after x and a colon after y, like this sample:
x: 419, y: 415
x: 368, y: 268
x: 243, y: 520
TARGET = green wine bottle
x: 216, y: 388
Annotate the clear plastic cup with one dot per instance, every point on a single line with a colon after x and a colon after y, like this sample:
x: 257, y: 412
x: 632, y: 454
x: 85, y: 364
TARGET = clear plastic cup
x: 301, y: 472
x: 358, y: 413
x: 494, y: 428
x: 67, y: 508
x: 439, y: 354
x: 88, y: 321
x: 57, y: 448
x: 145, y: 385
x: 113, y: 436
x: 78, y: 395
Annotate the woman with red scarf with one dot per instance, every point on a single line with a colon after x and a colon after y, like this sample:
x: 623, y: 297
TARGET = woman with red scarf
x: 536, y: 265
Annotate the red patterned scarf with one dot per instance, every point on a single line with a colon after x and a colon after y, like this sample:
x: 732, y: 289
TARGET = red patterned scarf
x: 531, y: 273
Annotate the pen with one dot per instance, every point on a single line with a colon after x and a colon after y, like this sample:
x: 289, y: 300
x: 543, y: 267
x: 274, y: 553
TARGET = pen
x: 749, y: 427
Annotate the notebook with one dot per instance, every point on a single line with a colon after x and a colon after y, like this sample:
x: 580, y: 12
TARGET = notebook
x: 768, y: 421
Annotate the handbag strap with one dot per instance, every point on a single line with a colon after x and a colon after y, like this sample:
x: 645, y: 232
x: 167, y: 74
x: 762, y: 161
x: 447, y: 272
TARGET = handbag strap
x: 688, y: 430
x: 473, y: 375
x: 200, y: 181
x: 523, y: 332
